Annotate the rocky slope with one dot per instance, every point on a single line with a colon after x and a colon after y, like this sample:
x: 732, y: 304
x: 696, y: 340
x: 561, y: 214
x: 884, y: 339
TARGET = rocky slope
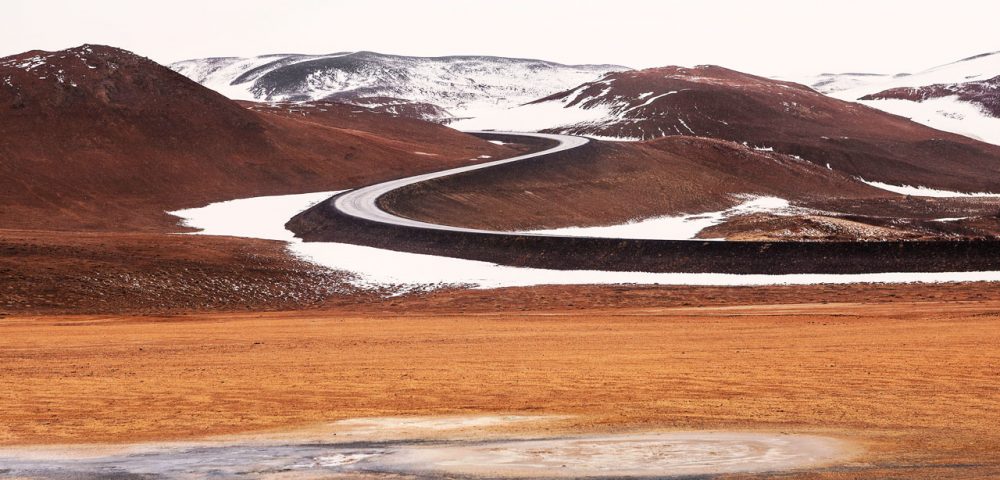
x: 432, y: 88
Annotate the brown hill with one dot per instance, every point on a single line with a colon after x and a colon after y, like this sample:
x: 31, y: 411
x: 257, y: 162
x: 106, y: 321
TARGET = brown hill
x: 96, y: 137
x: 607, y: 183
x: 710, y: 101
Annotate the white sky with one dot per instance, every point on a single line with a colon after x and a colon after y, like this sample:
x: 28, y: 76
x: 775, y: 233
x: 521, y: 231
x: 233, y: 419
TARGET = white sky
x: 758, y: 36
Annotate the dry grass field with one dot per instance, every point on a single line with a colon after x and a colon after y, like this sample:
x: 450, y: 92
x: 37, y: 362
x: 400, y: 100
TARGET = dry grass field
x: 916, y: 383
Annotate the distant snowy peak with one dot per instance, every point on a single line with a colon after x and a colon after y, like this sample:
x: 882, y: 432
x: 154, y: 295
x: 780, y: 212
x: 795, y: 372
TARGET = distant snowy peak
x: 434, y: 88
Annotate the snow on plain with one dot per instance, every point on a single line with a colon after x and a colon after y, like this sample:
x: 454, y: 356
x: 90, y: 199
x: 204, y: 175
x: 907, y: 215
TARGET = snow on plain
x: 255, y: 217
x: 920, y: 191
x: 265, y: 217
x: 683, y: 227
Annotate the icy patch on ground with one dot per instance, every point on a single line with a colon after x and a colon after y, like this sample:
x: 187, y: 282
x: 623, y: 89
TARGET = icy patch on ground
x: 946, y: 113
x: 651, y: 455
x: 394, y: 453
x: 683, y: 227
x: 920, y: 191
x: 265, y: 217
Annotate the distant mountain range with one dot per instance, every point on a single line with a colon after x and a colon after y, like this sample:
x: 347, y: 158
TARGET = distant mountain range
x: 431, y: 88
x: 960, y: 97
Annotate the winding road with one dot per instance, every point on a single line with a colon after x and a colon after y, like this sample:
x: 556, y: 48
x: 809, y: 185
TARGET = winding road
x: 362, y: 203
x: 355, y: 217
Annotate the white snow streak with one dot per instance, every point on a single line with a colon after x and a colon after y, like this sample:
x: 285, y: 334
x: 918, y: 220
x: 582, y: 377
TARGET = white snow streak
x: 264, y: 217
x: 919, y: 191
x: 945, y: 113
x: 683, y: 227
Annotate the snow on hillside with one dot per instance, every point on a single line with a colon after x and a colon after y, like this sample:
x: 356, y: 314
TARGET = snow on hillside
x: 220, y: 73
x: 948, y: 113
x: 980, y: 67
x: 541, y: 115
x: 463, y: 86
x: 831, y: 83
x: 921, y: 191
x: 681, y: 227
x: 573, y: 111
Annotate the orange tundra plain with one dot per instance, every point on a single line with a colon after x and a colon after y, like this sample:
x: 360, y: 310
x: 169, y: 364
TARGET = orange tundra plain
x: 915, y: 383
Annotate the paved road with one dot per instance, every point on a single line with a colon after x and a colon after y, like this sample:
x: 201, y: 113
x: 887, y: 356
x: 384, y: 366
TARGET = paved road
x: 362, y: 202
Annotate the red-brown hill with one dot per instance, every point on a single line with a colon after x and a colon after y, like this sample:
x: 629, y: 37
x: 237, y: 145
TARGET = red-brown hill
x: 710, y: 101
x: 99, y: 138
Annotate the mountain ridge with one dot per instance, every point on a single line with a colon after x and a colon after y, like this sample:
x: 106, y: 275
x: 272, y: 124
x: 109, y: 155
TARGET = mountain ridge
x: 458, y: 85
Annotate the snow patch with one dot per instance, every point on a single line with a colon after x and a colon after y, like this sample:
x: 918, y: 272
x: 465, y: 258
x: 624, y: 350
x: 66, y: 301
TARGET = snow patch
x: 945, y: 113
x: 920, y: 191
x: 683, y: 227
x: 265, y: 217
x: 537, y: 116
x: 255, y: 217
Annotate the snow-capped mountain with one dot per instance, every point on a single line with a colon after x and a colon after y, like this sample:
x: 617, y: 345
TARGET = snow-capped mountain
x: 427, y: 87
x: 961, y: 97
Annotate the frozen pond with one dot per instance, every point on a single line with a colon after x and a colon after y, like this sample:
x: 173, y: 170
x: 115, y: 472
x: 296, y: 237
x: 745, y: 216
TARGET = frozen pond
x: 432, y: 447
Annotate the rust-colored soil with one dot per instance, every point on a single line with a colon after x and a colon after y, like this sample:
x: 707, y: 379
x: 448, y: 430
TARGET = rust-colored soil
x: 918, y: 383
x: 88, y: 272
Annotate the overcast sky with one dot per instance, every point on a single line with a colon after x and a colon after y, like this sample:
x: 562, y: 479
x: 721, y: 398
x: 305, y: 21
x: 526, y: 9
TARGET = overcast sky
x: 765, y: 37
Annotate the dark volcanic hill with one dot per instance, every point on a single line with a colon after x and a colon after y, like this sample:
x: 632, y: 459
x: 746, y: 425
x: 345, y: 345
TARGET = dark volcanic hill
x: 715, y: 102
x: 97, y: 137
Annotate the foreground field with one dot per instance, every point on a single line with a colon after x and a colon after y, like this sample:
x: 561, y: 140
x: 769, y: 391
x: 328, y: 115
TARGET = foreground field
x: 916, y: 383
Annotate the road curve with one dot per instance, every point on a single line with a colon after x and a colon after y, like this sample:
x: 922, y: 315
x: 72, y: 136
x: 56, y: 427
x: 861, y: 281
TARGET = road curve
x: 354, y: 217
x: 363, y: 202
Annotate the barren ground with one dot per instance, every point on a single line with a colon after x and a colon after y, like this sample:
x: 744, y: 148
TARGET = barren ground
x: 916, y: 380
